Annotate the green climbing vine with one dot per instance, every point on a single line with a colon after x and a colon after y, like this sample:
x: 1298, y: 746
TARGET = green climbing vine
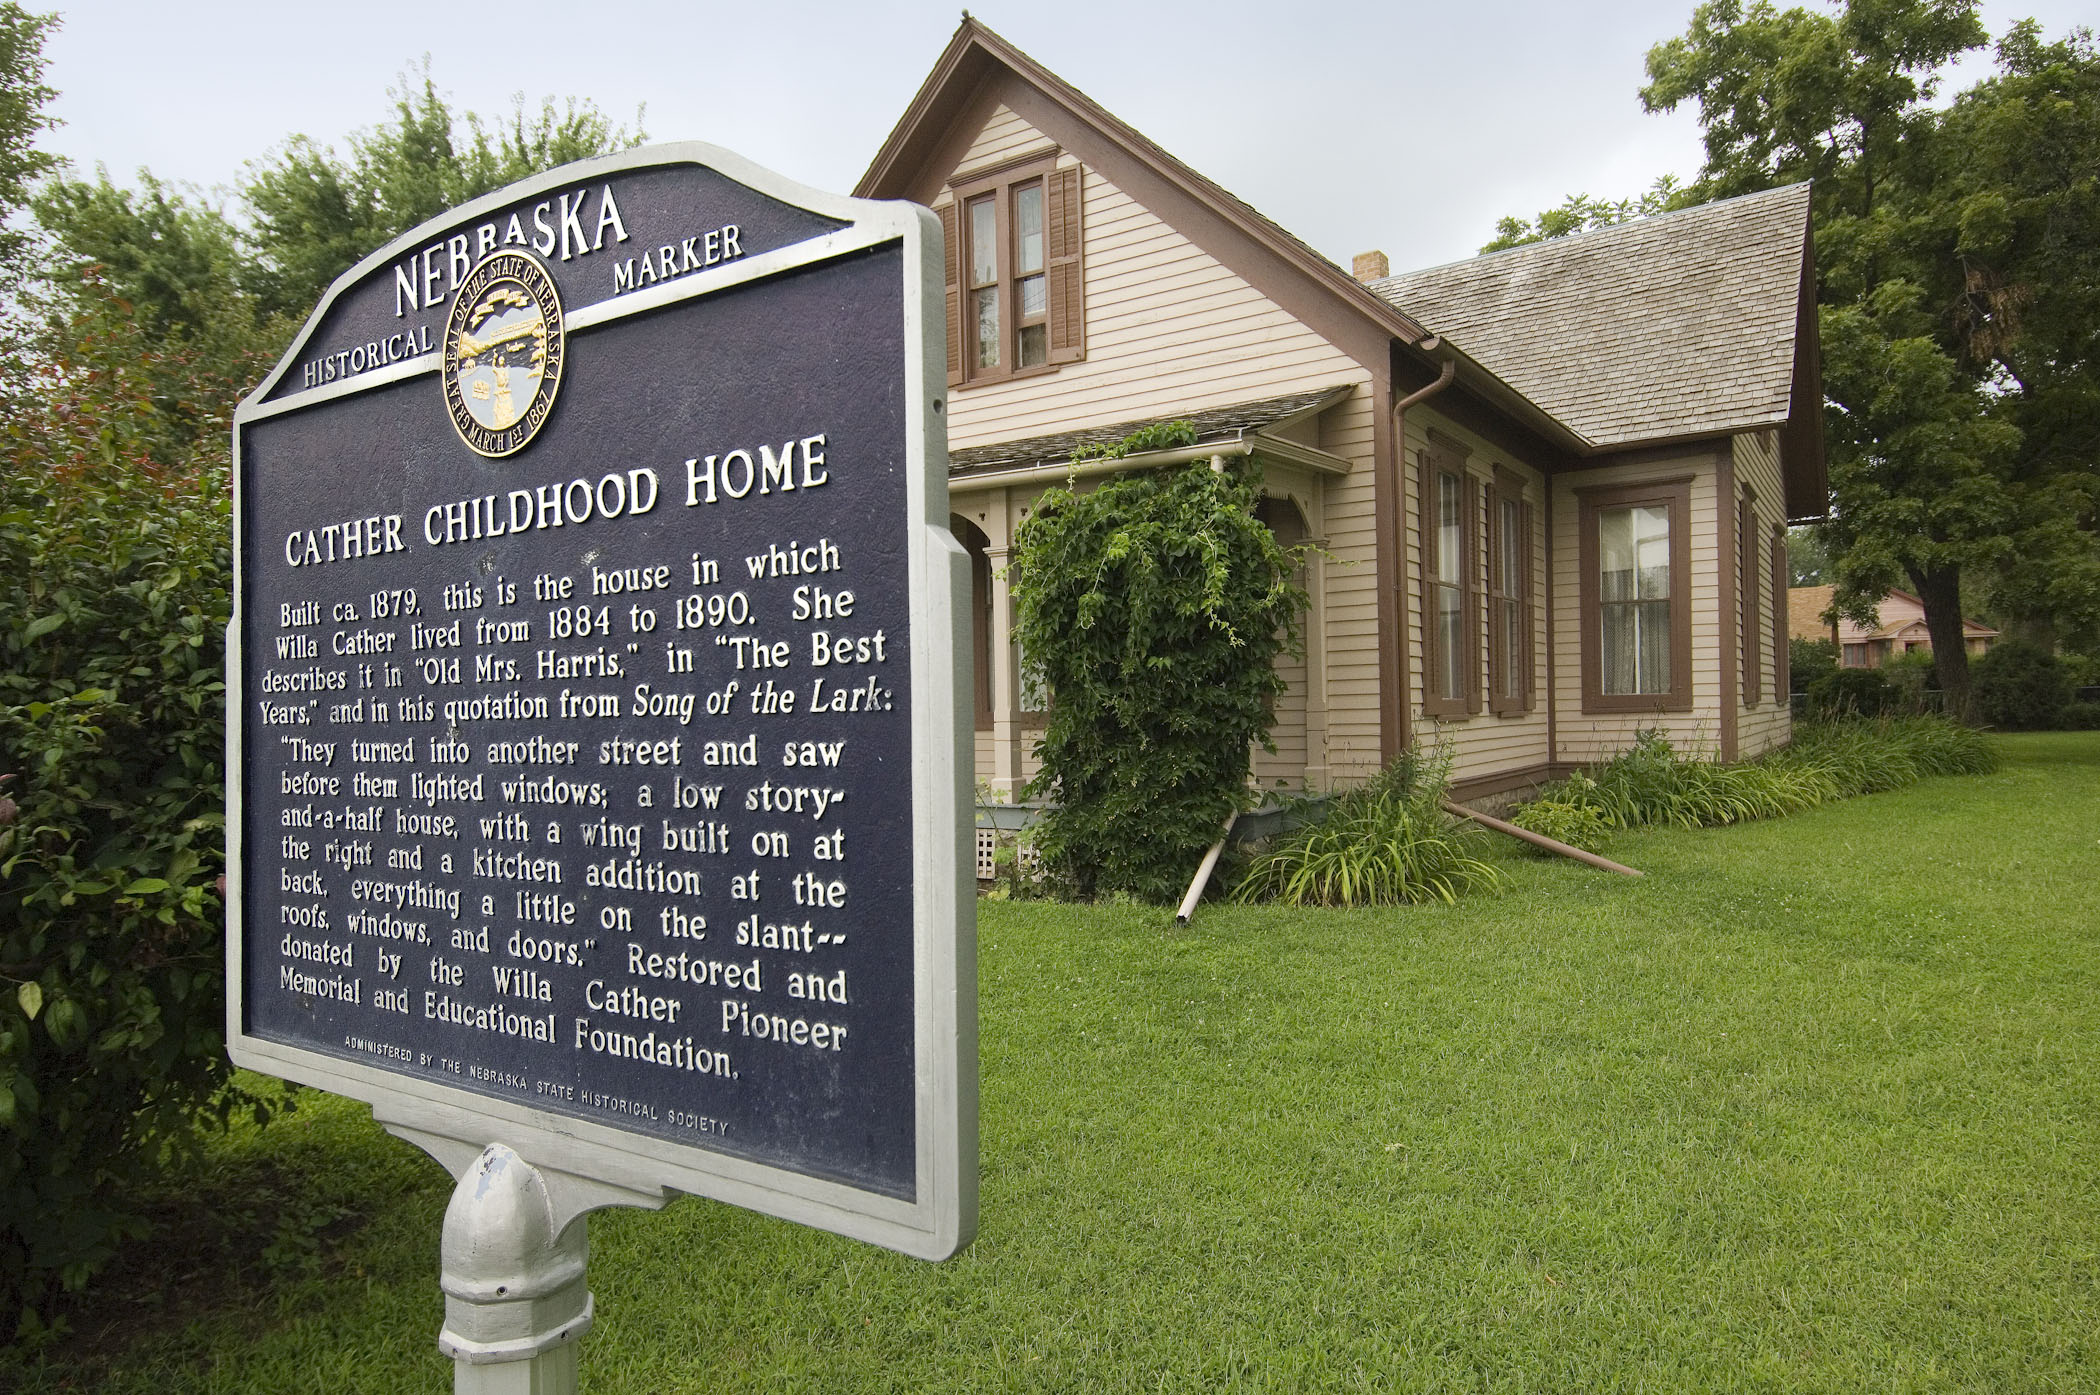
x: 1152, y: 608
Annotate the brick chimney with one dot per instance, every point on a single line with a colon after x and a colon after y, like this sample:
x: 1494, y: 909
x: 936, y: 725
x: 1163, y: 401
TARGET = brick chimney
x: 1371, y: 266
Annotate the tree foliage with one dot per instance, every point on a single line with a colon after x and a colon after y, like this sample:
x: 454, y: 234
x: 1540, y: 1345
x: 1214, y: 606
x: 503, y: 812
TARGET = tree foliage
x: 149, y: 314
x: 23, y: 97
x: 1153, y: 608
x: 1807, y: 559
x: 1809, y: 659
x: 114, y: 527
x: 1958, y: 256
x: 1582, y: 213
x: 316, y: 214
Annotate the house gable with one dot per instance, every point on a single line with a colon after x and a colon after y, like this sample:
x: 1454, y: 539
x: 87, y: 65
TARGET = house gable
x: 1168, y: 327
x: 980, y: 71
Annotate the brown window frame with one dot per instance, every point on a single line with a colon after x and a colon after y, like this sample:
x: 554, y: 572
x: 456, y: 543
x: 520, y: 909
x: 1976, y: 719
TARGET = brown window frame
x: 1507, y: 651
x: 1749, y: 579
x: 1674, y: 494
x: 1063, y: 315
x: 977, y: 545
x: 1445, y: 457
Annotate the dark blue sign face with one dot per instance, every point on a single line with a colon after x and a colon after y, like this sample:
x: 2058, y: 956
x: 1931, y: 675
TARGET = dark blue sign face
x: 576, y: 746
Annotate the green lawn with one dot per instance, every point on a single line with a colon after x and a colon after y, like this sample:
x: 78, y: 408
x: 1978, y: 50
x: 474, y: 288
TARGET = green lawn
x: 1815, y: 1106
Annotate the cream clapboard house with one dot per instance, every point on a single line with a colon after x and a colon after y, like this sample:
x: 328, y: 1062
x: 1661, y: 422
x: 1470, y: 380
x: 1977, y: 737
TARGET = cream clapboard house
x: 1548, y: 486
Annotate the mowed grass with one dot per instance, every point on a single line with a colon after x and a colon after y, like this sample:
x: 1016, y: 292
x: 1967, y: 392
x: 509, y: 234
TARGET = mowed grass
x: 1814, y: 1106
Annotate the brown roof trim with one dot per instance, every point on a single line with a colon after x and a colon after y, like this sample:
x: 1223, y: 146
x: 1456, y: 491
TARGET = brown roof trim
x: 970, y: 58
x: 1524, y: 427
x: 1802, y: 457
x: 1213, y: 425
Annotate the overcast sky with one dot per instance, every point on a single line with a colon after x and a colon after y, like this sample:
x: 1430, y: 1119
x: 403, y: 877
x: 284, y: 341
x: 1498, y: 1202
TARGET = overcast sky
x: 1408, y: 127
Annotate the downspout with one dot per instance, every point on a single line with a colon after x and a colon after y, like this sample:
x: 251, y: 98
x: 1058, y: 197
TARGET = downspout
x: 1395, y: 707
x: 1202, y: 877
x: 1443, y: 380
x: 1210, y: 858
x: 1540, y: 840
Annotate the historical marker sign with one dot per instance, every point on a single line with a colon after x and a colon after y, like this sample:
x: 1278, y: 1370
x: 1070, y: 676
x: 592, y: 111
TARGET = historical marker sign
x: 595, y: 718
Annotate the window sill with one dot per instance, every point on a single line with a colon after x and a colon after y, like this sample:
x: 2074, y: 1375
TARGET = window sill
x: 1601, y: 704
x: 987, y: 379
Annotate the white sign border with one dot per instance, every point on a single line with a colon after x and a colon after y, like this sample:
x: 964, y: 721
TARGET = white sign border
x: 943, y: 1217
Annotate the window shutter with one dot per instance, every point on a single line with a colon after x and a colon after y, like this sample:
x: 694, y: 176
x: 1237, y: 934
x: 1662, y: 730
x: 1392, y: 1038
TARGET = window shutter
x: 1747, y: 577
x: 1471, y: 493
x: 1065, y: 266
x: 1527, y: 618
x: 951, y: 239
x: 1780, y: 636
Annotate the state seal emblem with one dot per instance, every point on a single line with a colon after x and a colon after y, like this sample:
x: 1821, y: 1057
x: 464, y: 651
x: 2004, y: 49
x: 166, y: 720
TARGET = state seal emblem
x: 503, y: 353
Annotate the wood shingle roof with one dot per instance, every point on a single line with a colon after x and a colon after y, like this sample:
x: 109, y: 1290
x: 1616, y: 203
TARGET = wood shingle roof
x: 1668, y: 327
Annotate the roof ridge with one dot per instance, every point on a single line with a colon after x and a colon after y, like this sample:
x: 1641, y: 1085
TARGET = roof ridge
x: 1646, y: 220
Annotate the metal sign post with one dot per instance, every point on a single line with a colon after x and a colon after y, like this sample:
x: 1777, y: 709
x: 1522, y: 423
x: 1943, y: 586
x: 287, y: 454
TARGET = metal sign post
x: 597, y: 737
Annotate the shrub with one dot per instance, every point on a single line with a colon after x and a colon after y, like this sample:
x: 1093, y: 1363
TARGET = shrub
x: 2079, y: 716
x: 1566, y: 821
x: 1913, y: 682
x: 2020, y: 686
x: 112, y: 730
x: 1387, y: 843
x: 1851, y: 692
x: 1153, y: 608
x: 1809, y: 659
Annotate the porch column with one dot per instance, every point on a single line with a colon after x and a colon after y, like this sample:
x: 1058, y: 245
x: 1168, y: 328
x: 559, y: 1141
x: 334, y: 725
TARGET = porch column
x: 1007, y: 778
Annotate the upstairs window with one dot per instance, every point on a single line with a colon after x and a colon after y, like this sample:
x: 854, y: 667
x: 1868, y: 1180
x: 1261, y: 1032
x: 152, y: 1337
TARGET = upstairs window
x: 1016, y: 291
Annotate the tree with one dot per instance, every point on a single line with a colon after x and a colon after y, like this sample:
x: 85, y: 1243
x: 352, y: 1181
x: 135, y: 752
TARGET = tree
x: 1807, y: 560
x: 23, y: 97
x: 175, y: 268
x: 1581, y: 213
x: 315, y: 214
x: 1923, y: 282
x: 2019, y: 268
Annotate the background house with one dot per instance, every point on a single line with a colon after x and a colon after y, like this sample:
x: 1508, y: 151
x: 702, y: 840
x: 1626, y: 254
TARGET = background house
x: 1899, y: 628
x: 1548, y: 486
